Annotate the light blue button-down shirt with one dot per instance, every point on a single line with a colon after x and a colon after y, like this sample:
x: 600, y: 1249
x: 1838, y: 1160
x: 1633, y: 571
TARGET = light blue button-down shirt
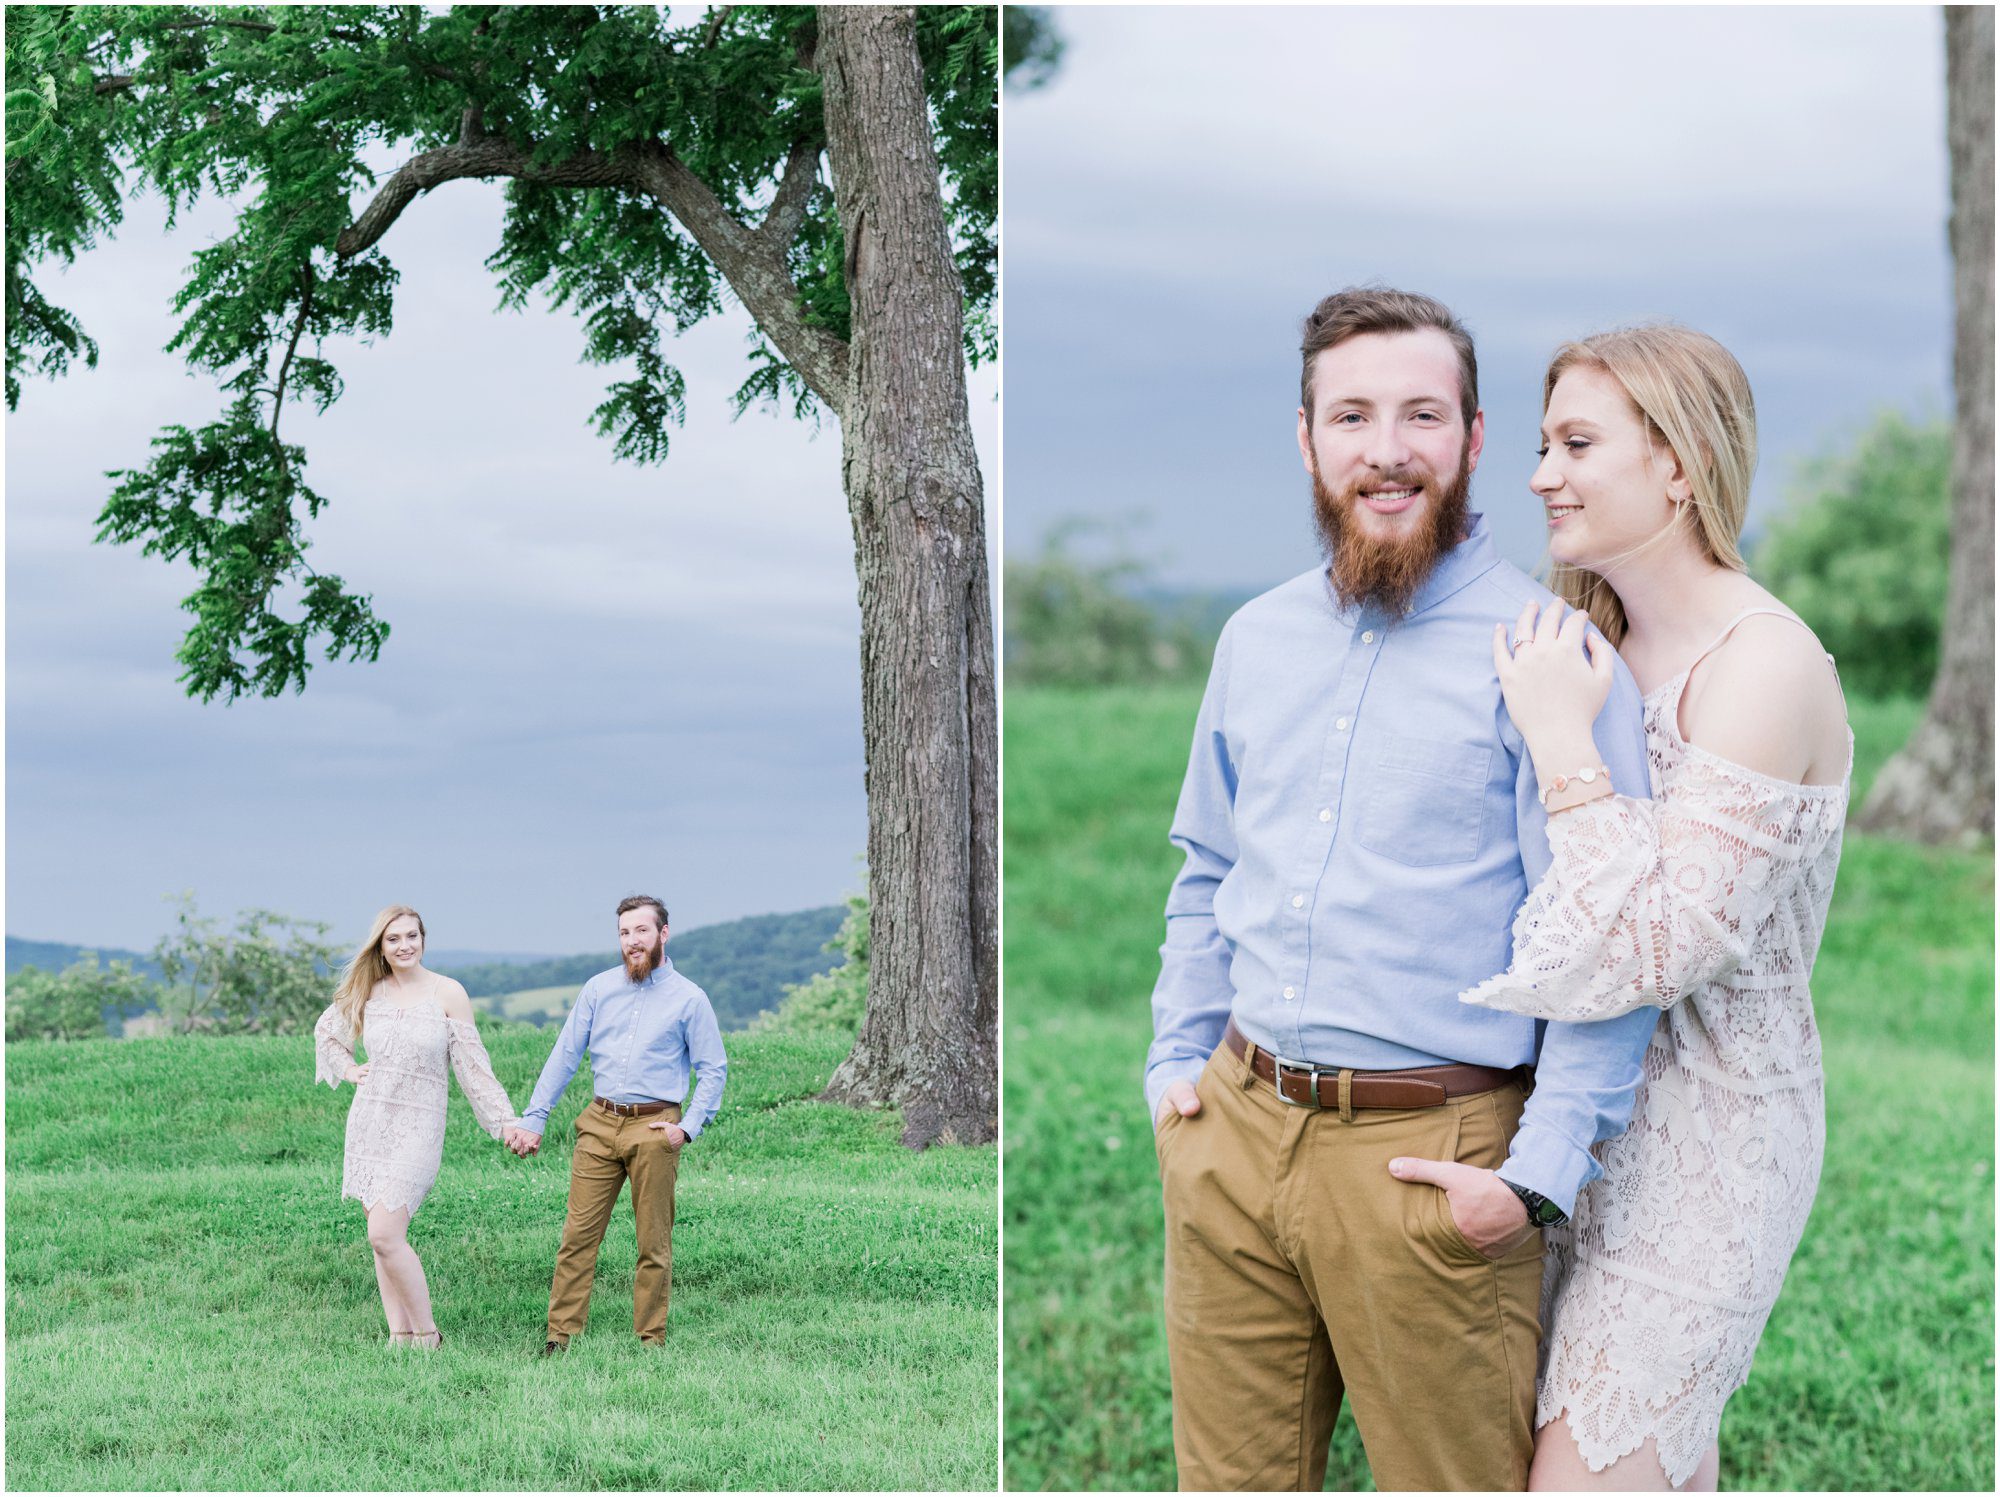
x: 1361, y: 821
x: 643, y: 1039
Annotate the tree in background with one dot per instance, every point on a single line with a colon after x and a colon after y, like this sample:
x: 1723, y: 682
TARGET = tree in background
x: 1030, y: 45
x: 1939, y: 786
x: 271, y: 976
x: 1861, y: 554
x: 1072, y: 621
x: 75, y: 1003
x: 650, y: 168
x: 836, y: 998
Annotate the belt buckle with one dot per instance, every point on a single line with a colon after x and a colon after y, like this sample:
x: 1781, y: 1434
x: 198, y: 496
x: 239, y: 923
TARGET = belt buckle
x: 1312, y: 1074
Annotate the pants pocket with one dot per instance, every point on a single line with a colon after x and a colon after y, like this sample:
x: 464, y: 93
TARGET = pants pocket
x: 1427, y: 1209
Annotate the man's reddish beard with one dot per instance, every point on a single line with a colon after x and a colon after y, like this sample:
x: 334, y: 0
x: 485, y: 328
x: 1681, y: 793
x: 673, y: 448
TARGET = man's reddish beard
x: 639, y: 968
x: 1389, y: 572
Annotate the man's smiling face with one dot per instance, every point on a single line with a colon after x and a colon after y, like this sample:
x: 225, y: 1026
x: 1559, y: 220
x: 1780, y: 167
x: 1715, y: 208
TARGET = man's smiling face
x: 1391, y: 459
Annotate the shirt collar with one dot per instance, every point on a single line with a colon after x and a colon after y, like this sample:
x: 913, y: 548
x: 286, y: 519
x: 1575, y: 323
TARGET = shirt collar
x: 1471, y: 558
x: 658, y: 974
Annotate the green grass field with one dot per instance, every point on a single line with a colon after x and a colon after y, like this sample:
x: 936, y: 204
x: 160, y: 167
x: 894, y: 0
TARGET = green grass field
x: 190, y: 1305
x: 1877, y: 1369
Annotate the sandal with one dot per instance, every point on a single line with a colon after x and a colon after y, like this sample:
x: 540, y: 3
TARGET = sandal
x: 418, y: 1339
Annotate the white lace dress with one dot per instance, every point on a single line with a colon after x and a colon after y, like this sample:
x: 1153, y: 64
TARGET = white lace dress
x: 1707, y: 902
x: 395, y: 1125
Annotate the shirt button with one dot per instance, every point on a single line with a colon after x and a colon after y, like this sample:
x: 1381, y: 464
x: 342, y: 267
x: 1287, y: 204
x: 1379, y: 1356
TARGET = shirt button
x: 1340, y: 723
x: 1368, y: 638
x: 1289, y: 993
x: 1298, y: 901
x: 1326, y: 813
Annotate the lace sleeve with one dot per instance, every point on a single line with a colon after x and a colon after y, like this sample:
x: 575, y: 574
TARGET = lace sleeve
x: 474, y: 1070
x: 333, y: 1047
x: 1646, y: 901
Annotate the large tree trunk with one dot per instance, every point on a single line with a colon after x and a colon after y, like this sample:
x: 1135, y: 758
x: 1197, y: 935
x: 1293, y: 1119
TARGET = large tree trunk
x: 928, y: 722
x: 1939, y: 787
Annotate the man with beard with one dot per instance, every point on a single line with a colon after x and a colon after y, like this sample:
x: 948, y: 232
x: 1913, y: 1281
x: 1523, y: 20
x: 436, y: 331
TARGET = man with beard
x: 645, y: 1027
x: 1354, y: 1169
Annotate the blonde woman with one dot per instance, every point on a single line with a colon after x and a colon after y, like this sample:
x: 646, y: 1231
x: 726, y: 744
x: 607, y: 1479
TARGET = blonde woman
x: 416, y: 1025
x: 1707, y: 902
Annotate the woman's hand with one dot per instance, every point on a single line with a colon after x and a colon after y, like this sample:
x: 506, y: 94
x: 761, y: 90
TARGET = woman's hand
x: 1554, y: 689
x: 354, y: 1073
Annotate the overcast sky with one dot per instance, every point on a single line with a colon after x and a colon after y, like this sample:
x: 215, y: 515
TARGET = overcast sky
x: 1195, y: 179
x: 602, y: 678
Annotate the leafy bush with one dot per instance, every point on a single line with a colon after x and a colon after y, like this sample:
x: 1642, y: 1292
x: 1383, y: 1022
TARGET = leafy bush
x: 1860, y: 553
x: 836, y: 999
x: 1076, y: 622
x: 274, y: 975
x: 74, y: 1003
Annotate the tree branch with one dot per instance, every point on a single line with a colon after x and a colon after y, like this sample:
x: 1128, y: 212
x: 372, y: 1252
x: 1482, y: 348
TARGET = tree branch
x: 115, y: 83
x: 486, y: 156
x: 751, y: 260
x: 200, y: 24
x: 788, y: 208
x: 755, y: 269
x: 285, y: 370
x: 715, y: 24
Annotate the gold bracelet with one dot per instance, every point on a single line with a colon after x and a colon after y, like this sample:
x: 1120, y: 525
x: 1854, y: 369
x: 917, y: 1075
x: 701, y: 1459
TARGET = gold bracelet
x: 1586, y: 776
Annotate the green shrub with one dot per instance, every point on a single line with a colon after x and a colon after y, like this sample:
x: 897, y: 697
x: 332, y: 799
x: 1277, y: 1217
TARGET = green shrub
x: 74, y: 1003
x: 836, y: 999
x: 1076, y: 622
x: 1860, y: 553
x: 274, y: 975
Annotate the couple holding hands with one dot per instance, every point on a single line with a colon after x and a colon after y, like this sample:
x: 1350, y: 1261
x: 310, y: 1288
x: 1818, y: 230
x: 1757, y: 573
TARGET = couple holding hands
x: 648, y: 1032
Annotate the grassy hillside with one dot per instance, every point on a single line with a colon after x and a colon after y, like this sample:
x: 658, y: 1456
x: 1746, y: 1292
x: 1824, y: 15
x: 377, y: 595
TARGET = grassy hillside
x: 535, y: 1005
x: 190, y: 1305
x: 1877, y: 1370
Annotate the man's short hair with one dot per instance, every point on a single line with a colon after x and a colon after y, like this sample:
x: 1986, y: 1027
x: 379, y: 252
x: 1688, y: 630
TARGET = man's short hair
x: 634, y: 901
x: 1378, y: 309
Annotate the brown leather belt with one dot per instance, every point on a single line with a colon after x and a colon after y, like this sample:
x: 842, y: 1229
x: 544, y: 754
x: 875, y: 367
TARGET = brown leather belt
x: 1314, y: 1086
x: 632, y: 1109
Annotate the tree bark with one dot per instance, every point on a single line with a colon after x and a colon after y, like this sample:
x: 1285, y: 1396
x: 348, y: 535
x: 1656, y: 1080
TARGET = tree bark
x: 929, y: 1042
x: 1939, y: 787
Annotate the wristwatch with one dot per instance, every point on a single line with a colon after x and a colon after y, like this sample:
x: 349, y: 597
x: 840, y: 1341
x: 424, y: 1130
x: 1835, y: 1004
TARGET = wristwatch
x: 1542, y: 1212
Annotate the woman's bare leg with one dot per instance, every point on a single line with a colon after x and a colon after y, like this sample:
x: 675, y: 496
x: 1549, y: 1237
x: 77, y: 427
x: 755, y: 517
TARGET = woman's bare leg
x: 1559, y: 1467
x: 399, y: 1272
x: 392, y: 1306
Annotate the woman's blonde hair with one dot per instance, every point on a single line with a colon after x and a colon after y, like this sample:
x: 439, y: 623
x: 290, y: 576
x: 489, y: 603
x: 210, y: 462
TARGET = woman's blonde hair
x: 368, y: 966
x: 1694, y: 400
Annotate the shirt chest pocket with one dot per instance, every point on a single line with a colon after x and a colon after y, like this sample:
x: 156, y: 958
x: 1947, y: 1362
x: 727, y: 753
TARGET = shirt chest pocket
x: 1427, y: 801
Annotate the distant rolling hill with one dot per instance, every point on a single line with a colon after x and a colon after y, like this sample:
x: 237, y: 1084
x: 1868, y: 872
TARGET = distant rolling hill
x: 743, y: 966
x: 53, y: 956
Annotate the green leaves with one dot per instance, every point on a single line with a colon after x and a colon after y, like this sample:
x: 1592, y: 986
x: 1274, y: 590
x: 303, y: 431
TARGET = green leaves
x: 222, y: 499
x: 279, y: 109
x: 1861, y: 552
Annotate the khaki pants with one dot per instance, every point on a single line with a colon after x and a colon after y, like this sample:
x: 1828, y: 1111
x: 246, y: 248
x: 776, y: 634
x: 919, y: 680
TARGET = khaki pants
x: 608, y: 1149
x: 1299, y: 1270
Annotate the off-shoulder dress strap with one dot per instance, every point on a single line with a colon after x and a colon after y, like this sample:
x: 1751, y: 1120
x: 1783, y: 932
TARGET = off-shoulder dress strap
x: 1728, y: 629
